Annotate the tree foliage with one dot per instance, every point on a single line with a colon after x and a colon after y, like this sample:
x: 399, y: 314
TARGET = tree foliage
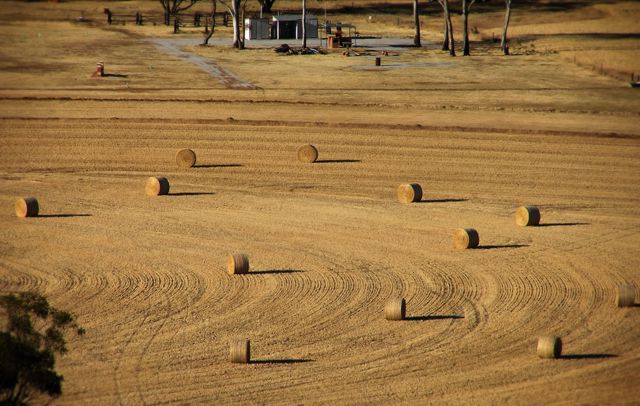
x: 266, y: 5
x: 33, y: 332
x: 174, y: 7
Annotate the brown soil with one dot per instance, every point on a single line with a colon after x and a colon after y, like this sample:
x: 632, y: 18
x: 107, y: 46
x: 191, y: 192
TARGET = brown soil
x: 328, y: 242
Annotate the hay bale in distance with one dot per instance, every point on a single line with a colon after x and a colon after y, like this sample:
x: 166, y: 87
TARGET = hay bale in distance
x: 527, y: 216
x: 237, y: 264
x: 240, y: 351
x: 395, y: 309
x: 464, y: 238
x: 409, y: 193
x: 307, y: 153
x: 27, y: 207
x: 549, y: 347
x: 186, y: 158
x: 157, y: 185
x: 626, y: 296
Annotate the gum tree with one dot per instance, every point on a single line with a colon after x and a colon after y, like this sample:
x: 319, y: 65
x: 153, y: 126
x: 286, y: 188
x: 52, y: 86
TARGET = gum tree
x: 235, y: 8
x: 507, y: 17
x: 174, y: 7
x: 31, y: 336
x: 466, y: 7
x: 416, y: 21
x: 449, y: 43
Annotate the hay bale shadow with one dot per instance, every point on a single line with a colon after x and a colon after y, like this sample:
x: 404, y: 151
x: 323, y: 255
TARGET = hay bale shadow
x: 562, y: 224
x: 218, y: 166
x: 337, y: 161
x: 493, y: 247
x: 63, y: 215
x: 587, y: 356
x: 442, y: 200
x: 434, y: 317
x: 190, y: 194
x: 276, y: 271
x: 281, y: 361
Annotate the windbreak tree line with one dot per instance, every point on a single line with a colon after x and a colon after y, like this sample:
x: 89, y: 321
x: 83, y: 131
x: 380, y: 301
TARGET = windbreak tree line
x: 448, y: 43
x: 236, y: 9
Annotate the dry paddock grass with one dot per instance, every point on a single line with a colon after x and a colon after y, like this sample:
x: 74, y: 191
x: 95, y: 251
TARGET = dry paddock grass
x: 328, y: 242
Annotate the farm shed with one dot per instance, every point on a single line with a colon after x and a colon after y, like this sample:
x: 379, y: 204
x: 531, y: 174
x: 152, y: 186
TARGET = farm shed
x: 256, y: 28
x: 289, y: 26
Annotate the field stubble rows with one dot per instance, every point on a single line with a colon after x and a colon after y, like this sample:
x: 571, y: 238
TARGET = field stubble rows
x: 328, y: 244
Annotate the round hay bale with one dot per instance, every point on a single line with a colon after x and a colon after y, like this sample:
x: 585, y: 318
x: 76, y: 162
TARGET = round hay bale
x: 527, y: 216
x: 307, y: 154
x: 395, y: 309
x: 186, y: 158
x: 409, y: 193
x: 464, y: 238
x: 626, y: 296
x: 157, y: 185
x: 237, y: 264
x: 240, y: 351
x: 27, y: 207
x: 549, y: 347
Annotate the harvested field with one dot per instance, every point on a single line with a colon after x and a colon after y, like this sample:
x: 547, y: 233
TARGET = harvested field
x: 329, y: 243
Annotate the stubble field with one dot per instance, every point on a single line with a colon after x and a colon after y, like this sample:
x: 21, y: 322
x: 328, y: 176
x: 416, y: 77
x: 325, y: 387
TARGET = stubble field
x: 328, y: 242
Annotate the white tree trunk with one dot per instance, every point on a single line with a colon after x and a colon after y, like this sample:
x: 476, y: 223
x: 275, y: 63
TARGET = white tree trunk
x: 452, y: 44
x: 507, y: 17
x: 416, y: 20
x: 304, y: 23
x: 235, y: 14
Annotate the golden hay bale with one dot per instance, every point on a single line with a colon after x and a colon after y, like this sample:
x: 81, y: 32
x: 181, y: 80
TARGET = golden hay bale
x: 527, y: 216
x: 240, y: 351
x: 464, y: 238
x: 307, y: 153
x: 626, y: 296
x: 27, y: 207
x: 186, y: 158
x: 237, y: 264
x: 395, y: 309
x: 549, y: 347
x: 409, y: 193
x: 157, y: 185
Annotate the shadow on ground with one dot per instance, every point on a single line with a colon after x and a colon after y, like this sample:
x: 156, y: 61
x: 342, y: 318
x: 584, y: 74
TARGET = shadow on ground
x: 190, y: 194
x: 63, y: 215
x: 280, y: 361
x: 442, y: 201
x: 587, y: 356
x: 493, y: 247
x: 337, y: 161
x: 562, y: 224
x: 218, y: 166
x: 434, y: 317
x: 276, y: 271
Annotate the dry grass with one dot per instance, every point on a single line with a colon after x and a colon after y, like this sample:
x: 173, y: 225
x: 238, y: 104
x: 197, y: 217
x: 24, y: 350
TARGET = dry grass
x: 549, y: 347
x: 488, y: 132
x: 185, y: 158
x: 527, y: 216
x: 156, y: 186
x: 26, y: 207
x: 465, y: 238
x: 626, y: 295
x: 409, y: 193
x: 237, y: 264
x: 395, y: 309
x: 307, y: 153
x: 240, y: 351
